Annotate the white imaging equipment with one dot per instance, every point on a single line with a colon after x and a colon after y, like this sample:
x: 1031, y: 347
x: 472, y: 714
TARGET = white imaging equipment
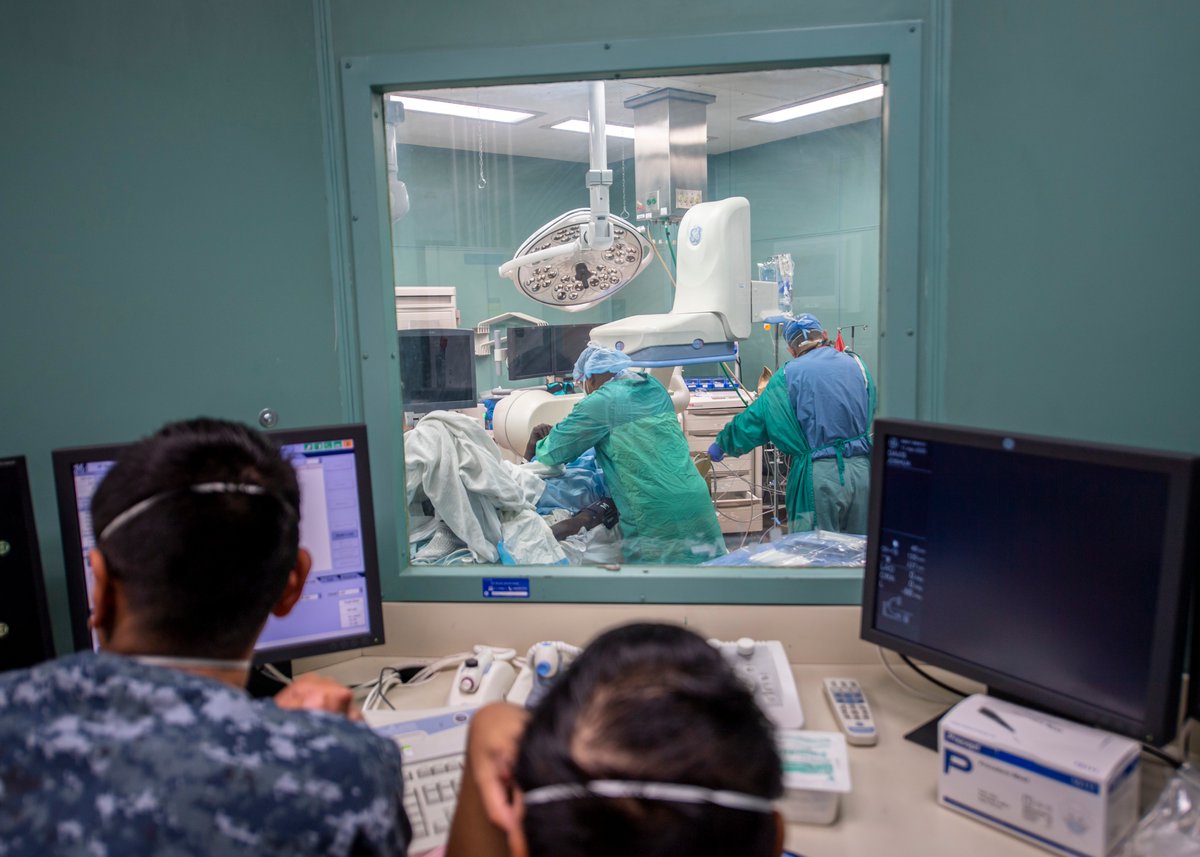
x: 711, y: 312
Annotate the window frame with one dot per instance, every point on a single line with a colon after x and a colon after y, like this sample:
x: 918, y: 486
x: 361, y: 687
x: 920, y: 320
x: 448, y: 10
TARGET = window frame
x: 365, y: 298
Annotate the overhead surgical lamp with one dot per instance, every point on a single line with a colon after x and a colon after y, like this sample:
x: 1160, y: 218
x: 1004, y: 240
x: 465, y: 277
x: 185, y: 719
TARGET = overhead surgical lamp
x: 588, y: 254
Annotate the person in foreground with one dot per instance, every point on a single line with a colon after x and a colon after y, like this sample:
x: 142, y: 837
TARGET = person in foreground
x: 666, y: 512
x: 649, y: 744
x: 152, y: 746
x: 818, y: 410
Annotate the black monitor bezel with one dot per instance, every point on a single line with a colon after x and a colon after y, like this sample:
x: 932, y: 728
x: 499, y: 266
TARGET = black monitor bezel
x: 554, y: 330
x: 1166, y: 663
x: 424, y: 407
x: 64, y: 459
x: 34, y: 568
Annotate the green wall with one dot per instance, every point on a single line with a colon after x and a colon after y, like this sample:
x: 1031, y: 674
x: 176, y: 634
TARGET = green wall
x: 166, y: 250
x: 164, y: 236
x: 1074, y: 196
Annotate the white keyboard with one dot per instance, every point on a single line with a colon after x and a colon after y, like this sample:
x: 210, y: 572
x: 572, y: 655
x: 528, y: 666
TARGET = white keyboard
x: 432, y: 743
x: 430, y: 795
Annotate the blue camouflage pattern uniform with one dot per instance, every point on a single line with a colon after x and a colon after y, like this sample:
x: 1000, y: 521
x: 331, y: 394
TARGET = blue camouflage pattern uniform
x: 103, y: 755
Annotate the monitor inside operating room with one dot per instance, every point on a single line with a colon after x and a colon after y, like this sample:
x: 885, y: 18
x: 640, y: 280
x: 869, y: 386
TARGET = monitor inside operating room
x: 545, y: 351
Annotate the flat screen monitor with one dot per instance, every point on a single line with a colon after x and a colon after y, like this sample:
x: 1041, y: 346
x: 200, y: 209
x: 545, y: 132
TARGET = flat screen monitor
x: 538, y: 352
x: 25, y: 634
x: 437, y: 369
x: 1052, y: 571
x: 340, y: 607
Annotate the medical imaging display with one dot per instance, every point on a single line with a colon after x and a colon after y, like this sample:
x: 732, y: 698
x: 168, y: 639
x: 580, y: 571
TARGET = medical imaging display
x: 1045, y: 571
x: 538, y: 352
x: 437, y: 369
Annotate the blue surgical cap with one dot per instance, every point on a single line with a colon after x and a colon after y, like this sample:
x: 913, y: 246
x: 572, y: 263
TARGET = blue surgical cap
x: 801, y: 327
x: 596, y: 360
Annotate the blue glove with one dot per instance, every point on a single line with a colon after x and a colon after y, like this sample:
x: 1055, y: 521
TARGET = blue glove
x: 715, y: 452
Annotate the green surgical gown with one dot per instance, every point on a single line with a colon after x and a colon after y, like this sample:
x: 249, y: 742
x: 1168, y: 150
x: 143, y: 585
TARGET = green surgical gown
x: 667, y: 514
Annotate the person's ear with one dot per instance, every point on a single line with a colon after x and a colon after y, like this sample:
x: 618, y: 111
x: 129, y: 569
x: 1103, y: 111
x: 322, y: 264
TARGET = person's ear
x: 517, y: 846
x: 295, y: 584
x: 104, y: 597
x: 780, y: 831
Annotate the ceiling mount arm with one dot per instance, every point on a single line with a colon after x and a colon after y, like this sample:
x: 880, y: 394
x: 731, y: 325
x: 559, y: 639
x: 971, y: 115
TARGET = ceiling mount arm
x: 598, y: 233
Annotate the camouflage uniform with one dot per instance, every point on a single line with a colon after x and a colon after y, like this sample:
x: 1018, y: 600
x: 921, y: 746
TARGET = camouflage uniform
x: 103, y: 755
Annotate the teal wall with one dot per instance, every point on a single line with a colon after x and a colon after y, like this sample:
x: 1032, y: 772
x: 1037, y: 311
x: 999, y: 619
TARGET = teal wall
x: 164, y: 233
x: 1074, y: 198
x: 166, y: 249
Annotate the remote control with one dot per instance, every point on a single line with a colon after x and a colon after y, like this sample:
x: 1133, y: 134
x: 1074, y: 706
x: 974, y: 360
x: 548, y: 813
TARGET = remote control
x: 850, y: 709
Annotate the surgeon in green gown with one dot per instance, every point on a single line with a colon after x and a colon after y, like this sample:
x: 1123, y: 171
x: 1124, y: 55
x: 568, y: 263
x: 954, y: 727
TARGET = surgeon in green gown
x: 818, y: 410
x: 667, y: 515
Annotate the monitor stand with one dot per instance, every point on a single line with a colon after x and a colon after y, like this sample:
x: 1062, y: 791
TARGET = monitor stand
x: 261, y: 686
x: 926, y: 735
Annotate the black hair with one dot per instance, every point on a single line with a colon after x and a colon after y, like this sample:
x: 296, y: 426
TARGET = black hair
x: 649, y: 702
x: 200, y: 571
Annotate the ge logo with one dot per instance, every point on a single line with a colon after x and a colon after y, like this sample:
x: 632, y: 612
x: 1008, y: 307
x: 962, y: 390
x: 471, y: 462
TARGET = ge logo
x: 694, y: 235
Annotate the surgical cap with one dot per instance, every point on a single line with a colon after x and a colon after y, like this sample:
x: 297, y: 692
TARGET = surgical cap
x: 596, y: 360
x: 801, y: 327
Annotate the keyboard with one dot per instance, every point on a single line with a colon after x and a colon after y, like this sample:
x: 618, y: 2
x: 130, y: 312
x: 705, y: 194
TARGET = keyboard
x: 432, y: 743
x: 430, y: 795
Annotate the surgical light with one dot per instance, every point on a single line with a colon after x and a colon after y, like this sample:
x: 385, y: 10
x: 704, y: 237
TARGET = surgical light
x: 466, y: 111
x: 584, y: 256
x: 581, y: 127
x: 554, y: 267
x: 820, y: 105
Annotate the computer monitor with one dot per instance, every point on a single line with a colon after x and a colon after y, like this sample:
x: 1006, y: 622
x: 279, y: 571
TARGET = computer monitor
x: 340, y: 607
x: 538, y: 352
x: 25, y: 634
x: 437, y: 369
x: 1055, y: 572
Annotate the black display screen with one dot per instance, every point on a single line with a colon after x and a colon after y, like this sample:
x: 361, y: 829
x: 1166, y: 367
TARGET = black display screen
x: 1051, y: 571
x: 536, y: 352
x: 437, y: 369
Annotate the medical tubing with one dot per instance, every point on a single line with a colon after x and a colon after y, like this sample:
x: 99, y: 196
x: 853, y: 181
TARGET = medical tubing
x: 662, y: 261
x: 737, y: 384
x: 667, y: 233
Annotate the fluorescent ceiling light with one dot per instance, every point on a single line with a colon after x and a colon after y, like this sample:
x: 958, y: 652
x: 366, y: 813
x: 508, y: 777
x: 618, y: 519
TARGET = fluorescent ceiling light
x: 582, y: 127
x: 454, y: 108
x: 820, y: 105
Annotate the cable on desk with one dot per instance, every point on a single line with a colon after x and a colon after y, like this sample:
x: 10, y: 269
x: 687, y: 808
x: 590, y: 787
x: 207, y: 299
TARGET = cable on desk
x: 917, y: 692
x: 385, y: 684
x: 931, y: 679
x: 1170, y: 760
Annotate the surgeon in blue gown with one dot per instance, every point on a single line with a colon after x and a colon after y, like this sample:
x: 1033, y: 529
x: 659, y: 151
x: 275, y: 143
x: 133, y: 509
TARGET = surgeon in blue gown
x: 818, y: 410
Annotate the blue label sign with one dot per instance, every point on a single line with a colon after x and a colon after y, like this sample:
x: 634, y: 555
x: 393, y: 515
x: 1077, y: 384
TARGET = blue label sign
x: 506, y: 587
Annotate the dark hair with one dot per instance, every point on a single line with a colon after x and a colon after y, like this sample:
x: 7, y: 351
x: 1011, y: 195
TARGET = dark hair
x: 200, y: 571
x: 657, y: 703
